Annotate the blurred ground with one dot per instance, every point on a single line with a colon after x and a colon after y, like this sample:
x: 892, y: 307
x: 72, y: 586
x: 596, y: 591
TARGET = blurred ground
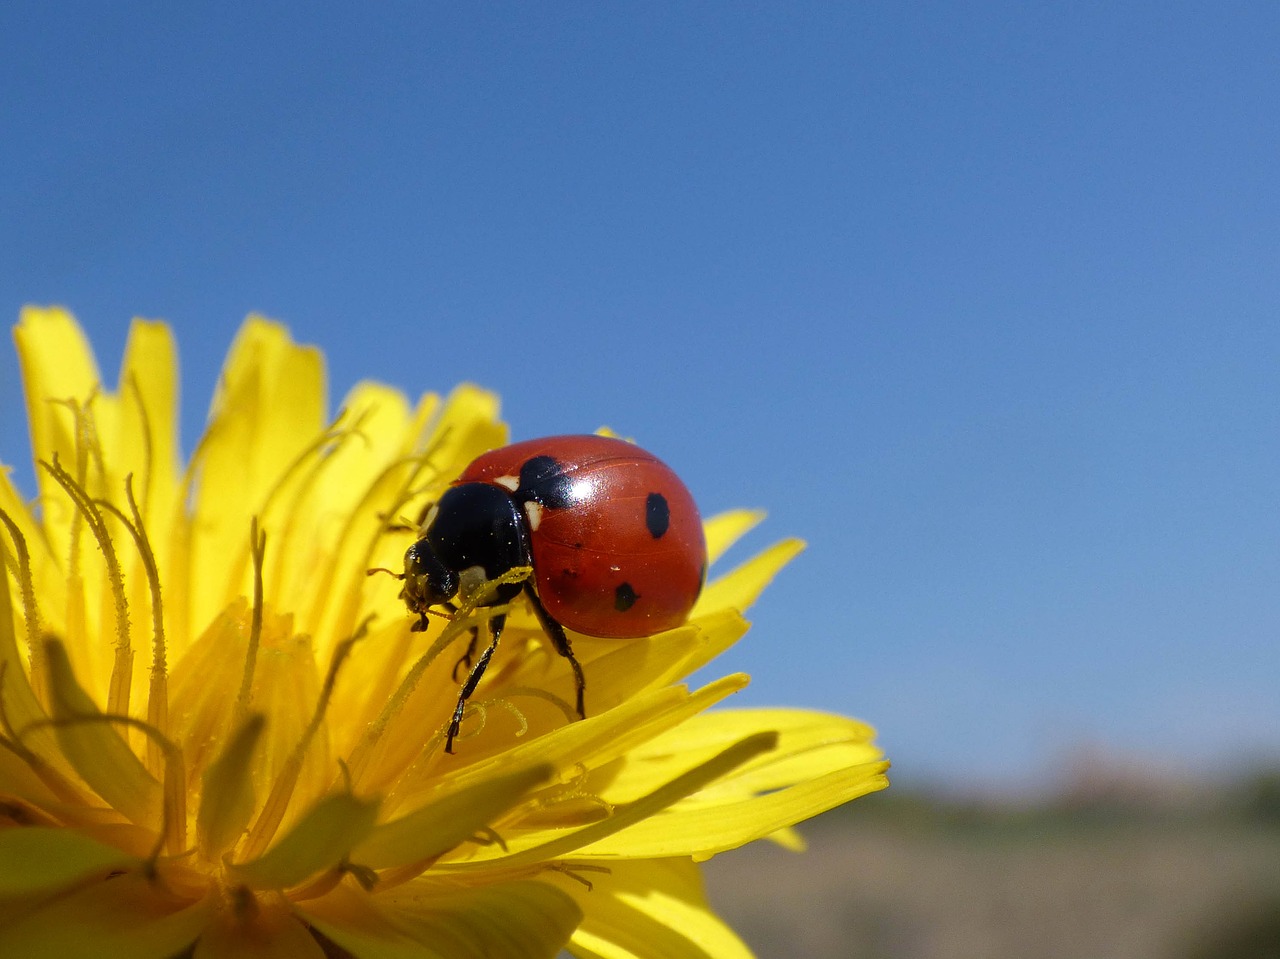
x: 892, y: 877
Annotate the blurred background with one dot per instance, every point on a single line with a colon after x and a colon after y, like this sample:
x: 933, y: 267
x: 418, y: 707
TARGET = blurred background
x: 979, y: 299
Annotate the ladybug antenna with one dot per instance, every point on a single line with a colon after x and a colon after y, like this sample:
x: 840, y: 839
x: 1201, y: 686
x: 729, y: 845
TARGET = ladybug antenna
x: 383, y: 569
x: 398, y: 523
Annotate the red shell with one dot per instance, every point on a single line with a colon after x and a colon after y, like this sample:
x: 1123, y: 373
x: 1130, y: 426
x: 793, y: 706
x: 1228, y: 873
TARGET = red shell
x: 613, y: 562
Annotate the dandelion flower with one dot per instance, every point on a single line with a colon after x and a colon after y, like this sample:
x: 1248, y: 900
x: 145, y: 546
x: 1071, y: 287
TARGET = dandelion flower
x: 221, y: 736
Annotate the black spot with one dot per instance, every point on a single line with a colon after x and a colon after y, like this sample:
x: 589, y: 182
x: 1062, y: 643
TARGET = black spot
x: 657, y: 515
x: 624, y: 597
x: 543, y: 480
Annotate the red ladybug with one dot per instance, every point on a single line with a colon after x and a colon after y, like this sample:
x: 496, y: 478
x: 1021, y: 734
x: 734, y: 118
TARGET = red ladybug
x: 613, y: 536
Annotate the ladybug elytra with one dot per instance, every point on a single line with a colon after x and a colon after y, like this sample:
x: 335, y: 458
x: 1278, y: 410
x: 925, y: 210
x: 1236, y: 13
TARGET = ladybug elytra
x: 611, y: 533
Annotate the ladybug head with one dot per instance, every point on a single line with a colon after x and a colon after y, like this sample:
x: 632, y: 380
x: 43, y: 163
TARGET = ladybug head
x: 427, y: 581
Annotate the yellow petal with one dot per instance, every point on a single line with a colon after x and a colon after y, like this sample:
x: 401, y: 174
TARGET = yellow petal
x: 530, y: 920
x: 725, y: 529
x: 633, y: 813
x: 821, y: 761
x: 527, y: 919
x: 203, y: 685
x: 94, y: 747
x: 740, y: 588
x: 57, y: 364
x: 468, y: 426
x: 654, y: 661
x: 446, y: 820
x: 148, y: 439
x: 322, y: 838
x: 226, y: 797
x: 35, y: 859
x: 204, y: 688
x: 24, y: 792
x: 789, y: 839
x: 358, y: 923
x: 652, y: 910
x: 270, y: 406
x: 599, y: 739
x: 703, y: 831
x: 127, y: 917
x: 20, y: 703
x: 339, y: 514
x: 272, y: 932
x: 45, y: 567
x: 810, y: 744
x: 286, y: 686
x: 617, y: 672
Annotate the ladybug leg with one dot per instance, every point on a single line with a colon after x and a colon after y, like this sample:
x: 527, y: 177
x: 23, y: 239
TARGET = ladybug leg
x: 464, y: 661
x: 560, y: 642
x: 423, y: 624
x: 469, y: 687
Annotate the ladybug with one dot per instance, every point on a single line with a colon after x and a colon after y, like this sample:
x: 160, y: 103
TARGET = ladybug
x: 611, y: 533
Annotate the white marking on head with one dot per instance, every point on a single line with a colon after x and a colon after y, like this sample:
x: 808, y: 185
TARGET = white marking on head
x: 533, y: 511
x: 509, y: 482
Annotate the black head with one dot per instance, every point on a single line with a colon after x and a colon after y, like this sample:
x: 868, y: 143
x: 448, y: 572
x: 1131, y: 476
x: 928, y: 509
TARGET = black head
x: 427, y: 581
x: 474, y: 533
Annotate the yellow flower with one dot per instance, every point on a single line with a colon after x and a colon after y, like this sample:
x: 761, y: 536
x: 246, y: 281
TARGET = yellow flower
x: 221, y: 737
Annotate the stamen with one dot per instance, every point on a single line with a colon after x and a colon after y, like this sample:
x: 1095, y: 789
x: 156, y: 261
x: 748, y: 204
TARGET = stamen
x: 515, y: 711
x: 157, y: 694
x: 478, y: 714
x: 58, y: 784
x: 173, y: 808
x: 77, y: 518
x: 122, y: 669
x: 569, y: 710
x: 343, y: 768
x: 571, y: 871
x: 226, y: 794
x: 366, y: 877
x: 273, y: 810
x: 361, y: 757
x: 665, y: 795
x: 148, y: 453
x: 30, y: 609
x: 463, y: 620
x: 89, y: 441
x: 488, y: 836
x: 258, y: 548
x: 320, y: 453
x: 86, y: 440
x: 182, y: 538
x: 189, y: 475
x: 244, y: 904
x: 322, y: 445
x: 563, y: 802
x: 349, y: 594
x: 20, y: 812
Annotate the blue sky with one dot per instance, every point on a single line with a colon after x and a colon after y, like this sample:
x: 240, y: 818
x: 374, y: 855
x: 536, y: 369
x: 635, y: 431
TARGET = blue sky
x: 980, y: 299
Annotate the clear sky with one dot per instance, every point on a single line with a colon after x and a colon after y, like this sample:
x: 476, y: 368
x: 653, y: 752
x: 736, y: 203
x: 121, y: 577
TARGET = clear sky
x: 980, y: 299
